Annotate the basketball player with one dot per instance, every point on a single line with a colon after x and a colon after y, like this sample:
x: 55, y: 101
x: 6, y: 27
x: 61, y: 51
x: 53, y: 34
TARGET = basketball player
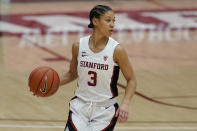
x: 96, y: 60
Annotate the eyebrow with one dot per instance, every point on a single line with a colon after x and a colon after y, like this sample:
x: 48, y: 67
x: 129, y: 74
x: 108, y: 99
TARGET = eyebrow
x: 110, y: 17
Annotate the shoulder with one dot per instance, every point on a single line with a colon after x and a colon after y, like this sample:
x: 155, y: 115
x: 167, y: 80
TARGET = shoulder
x: 75, y: 45
x: 119, y: 53
x: 75, y: 48
x: 119, y: 49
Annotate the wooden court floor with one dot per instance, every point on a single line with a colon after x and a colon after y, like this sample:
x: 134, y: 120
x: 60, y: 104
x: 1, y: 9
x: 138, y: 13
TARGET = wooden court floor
x: 166, y: 72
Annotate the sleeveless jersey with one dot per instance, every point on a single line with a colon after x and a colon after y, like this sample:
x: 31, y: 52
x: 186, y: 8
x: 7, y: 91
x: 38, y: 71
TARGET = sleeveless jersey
x: 97, y: 72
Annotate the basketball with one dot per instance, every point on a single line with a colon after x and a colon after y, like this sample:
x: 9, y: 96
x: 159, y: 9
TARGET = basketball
x: 43, y: 81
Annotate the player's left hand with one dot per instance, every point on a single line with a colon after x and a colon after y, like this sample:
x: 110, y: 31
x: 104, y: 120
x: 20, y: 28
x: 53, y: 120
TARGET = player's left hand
x: 123, y: 112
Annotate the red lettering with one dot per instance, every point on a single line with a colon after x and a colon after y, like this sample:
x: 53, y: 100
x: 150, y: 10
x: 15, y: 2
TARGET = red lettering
x: 93, y: 65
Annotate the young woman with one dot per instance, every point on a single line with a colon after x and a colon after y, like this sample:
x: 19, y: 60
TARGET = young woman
x: 96, y: 60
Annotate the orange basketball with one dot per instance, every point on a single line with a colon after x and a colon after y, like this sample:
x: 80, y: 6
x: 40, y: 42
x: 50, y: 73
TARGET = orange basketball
x: 43, y: 81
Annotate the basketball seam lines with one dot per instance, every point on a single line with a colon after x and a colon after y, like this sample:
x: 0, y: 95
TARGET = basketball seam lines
x: 51, y: 84
x: 41, y: 81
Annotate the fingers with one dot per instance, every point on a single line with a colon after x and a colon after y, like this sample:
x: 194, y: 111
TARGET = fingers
x: 123, y: 116
x: 123, y: 113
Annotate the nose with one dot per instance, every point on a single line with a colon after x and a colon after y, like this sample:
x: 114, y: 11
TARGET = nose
x: 112, y: 24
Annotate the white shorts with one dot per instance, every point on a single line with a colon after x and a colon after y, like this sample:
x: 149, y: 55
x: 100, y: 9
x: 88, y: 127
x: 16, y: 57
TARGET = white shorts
x: 91, y: 116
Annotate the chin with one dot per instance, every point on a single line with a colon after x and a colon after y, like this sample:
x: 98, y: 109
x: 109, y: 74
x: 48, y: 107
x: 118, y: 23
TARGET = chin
x: 110, y: 34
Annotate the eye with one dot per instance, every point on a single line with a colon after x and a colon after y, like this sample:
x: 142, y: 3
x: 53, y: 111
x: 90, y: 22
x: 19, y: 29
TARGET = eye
x: 108, y: 20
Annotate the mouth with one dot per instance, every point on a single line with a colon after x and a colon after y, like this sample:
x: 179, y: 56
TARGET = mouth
x: 111, y: 31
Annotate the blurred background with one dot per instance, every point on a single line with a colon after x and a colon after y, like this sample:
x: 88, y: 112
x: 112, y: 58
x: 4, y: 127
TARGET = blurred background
x: 160, y: 37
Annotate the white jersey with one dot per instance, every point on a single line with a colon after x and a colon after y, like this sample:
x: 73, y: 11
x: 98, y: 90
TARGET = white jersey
x: 97, y: 72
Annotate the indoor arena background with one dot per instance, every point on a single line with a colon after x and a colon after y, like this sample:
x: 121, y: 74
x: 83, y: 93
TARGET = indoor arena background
x: 160, y: 37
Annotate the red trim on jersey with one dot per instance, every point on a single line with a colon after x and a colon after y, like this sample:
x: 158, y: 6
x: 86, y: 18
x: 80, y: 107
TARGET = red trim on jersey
x: 71, y: 122
x: 114, y: 79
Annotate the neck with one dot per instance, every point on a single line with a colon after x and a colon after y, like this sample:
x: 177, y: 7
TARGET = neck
x: 98, y: 39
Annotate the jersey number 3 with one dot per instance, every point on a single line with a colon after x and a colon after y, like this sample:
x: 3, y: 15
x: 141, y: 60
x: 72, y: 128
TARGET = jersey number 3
x: 93, y: 77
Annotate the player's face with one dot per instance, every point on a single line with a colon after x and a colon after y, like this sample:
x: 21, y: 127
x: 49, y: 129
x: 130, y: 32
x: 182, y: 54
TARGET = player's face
x: 106, y: 23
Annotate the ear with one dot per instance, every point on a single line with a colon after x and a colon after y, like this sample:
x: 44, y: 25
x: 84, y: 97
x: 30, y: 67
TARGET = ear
x: 95, y: 21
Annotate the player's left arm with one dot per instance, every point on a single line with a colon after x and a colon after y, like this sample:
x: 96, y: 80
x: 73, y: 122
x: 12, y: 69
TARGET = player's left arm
x: 121, y: 57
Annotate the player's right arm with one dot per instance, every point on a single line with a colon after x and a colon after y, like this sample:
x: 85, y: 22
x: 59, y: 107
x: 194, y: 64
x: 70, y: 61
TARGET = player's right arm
x: 71, y: 74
